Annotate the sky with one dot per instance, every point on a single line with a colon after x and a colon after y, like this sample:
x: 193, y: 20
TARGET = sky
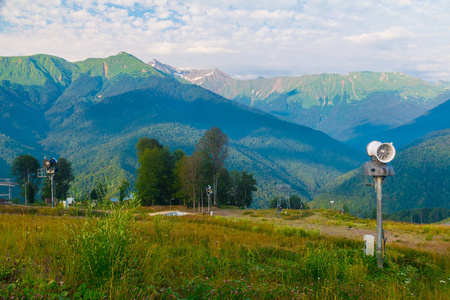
x: 243, y: 38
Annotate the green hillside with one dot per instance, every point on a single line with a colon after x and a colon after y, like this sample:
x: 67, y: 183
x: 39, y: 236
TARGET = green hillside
x: 36, y: 70
x: 117, y: 65
x: 96, y: 120
x: 330, y: 89
x: 422, y: 180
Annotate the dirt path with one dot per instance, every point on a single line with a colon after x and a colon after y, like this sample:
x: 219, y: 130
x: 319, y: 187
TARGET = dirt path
x: 412, y: 236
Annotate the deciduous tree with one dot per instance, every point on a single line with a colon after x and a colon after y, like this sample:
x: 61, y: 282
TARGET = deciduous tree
x: 214, y: 148
x: 247, y: 186
x: 63, y: 178
x: 155, y: 173
x: 191, y: 176
x: 123, y: 188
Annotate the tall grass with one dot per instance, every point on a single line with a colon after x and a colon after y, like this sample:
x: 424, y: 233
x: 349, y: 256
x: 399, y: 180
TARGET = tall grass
x: 196, y: 257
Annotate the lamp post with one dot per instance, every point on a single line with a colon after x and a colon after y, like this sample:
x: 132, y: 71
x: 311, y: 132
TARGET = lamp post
x: 51, y: 167
x: 209, y: 192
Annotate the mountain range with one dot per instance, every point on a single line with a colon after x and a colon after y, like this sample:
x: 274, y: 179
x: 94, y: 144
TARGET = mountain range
x: 348, y: 107
x: 93, y: 112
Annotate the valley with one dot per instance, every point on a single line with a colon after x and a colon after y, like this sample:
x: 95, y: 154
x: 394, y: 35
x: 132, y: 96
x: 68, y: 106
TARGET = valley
x: 93, y: 112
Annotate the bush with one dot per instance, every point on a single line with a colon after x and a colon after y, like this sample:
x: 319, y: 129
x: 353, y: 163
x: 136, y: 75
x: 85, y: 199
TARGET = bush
x: 101, y: 250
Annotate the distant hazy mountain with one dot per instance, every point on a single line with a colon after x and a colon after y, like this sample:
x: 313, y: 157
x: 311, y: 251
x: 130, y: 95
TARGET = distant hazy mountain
x: 93, y: 112
x: 422, y: 179
x: 345, y: 107
x: 434, y: 120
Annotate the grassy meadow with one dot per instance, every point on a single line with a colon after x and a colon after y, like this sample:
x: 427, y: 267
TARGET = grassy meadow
x: 129, y: 254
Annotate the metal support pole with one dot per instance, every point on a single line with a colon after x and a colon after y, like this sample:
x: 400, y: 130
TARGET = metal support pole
x: 378, y: 183
x: 209, y: 203
x: 52, y: 190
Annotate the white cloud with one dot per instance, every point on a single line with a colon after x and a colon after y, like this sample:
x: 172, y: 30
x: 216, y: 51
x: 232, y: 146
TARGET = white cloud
x: 376, y: 38
x: 286, y: 37
x: 207, y: 50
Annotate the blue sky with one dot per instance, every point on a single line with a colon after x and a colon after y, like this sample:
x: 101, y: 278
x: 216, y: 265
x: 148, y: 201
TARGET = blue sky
x: 245, y: 38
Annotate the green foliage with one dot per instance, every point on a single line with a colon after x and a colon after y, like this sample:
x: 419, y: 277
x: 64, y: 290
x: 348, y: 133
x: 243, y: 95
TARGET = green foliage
x: 9, y: 267
x: 93, y: 194
x: 246, y: 187
x: 213, y: 146
x: 195, y: 256
x: 297, y: 203
x: 101, y: 189
x: 420, y: 215
x: 273, y: 202
x: 24, y: 172
x: 155, y: 174
x: 101, y: 250
x: 145, y: 143
x: 63, y: 178
x: 191, y: 174
x: 236, y: 188
x: 225, y: 188
x: 123, y: 189
x: 29, y: 192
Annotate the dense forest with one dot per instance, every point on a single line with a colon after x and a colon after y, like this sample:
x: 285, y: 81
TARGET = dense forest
x: 420, y: 215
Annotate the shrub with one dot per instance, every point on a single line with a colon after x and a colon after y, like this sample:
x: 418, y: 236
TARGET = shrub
x: 101, y: 250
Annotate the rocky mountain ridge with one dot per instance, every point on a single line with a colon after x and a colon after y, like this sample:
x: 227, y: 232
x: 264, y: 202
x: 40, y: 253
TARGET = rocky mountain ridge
x: 345, y: 107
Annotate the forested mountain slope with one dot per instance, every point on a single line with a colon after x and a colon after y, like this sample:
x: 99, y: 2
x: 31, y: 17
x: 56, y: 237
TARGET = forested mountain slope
x: 93, y: 113
x: 421, y: 179
x: 434, y: 120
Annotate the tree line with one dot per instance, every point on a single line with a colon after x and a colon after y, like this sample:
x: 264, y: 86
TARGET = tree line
x: 163, y: 176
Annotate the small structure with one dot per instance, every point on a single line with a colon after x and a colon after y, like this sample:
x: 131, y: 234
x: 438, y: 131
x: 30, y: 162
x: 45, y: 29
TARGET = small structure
x: 177, y: 213
x: 283, y: 202
x: 369, y: 244
x: 9, y: 184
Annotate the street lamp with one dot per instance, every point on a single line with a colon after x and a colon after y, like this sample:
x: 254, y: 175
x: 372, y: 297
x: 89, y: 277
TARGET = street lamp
x: 51, y: 167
